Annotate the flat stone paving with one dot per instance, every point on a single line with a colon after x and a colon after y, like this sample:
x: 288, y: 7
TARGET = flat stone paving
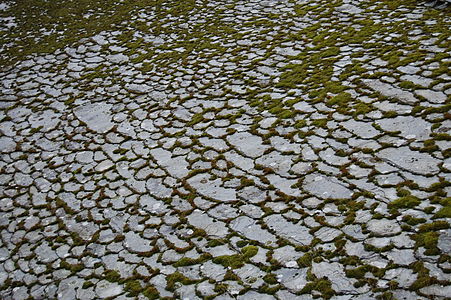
x: 239, y: 150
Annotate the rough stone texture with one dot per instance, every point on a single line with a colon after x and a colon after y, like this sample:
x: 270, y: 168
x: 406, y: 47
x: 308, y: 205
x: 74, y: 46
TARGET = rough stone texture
x: 224, y: 150
x: 384, y: 227
x: 96, y: 116
x: 412, y: 161
x: 326, y: 187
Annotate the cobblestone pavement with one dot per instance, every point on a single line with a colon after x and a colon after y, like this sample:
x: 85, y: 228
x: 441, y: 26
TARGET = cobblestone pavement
x: 231, y: 150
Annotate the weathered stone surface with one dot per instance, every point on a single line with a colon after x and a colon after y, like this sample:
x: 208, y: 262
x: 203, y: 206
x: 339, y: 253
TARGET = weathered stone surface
x: 207, y: 150
x: 211, y: 188
x: 176, y: 166
x: 296, y: 233
x: 432, y: 96
x: 105, y: 289
x: 391, y: 91
x: 364, y: 130
x: 335, y: 273
x: 383, y: 227
x: 249, y: 144
x: 412, y: 161
x: 248, y: 227
x: 409, y: 127
x: 136, y: 243
x: 202, y: 221
x: 97, y: 116
x: 293, y: 279
x: 325, y: 187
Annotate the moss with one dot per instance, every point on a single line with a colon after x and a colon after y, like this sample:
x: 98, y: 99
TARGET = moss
x: 218, y: 242
x: 151, y: 293
x: 270, y: 290
x: 412, y: 221
x: 341, y: 99
x: 324, y: 286
x: 405, y: 202
x: 319, y: 123
x: 133, y: 287
x: 357, y: 273
x: 270, y: 278
x: 87, y: 284
x: 197, y: 118
x: 112, y: 276
x: 444, y: 212
x: 233, y: 261
x: 286, y: 114
x: 305, y: 261
x: 187, y: 261
x: 249, y: 251
x: 241, y: 244
x: 173, y: 278
x: 74, y: 268
x: 423, y: 278
x: 220, y: 288
x: 237, y: 260
x: 434, y: 226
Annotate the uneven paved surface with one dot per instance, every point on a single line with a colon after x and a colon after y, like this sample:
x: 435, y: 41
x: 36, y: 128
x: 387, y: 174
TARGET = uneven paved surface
x: 231, y: 150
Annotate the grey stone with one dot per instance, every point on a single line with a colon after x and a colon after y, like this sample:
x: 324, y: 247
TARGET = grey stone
x: 412, y: 161
x: 296, y: 233
x: 97, y: 116
x: 335, y: 273
x: 293, y: 279
x: 391, y: 91
x: 211, y: 188
x: 249, y: 144
x: 106, y: 289
x: 176, y: 166
x: 384, y: 227
x: 325, y: 187
x: 212, y: 227
x: 410, y: 127
x: 363, y: 130
x: 7, y: 144
x: 248, y: 227
x: 136, y: 243
x: 432, y: 96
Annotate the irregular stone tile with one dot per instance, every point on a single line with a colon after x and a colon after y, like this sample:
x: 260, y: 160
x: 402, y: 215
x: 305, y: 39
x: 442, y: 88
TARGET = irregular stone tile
x: 176, y: 166
x: 404, y: 277
x: 412, y: 161
x: 7, y: 144
x: 436, y: 290
x: 211, y: 188
x: 293, y: 279
x: 284, y: 185
x: 325, y: 187
x: 384, y: 227
x: 389, y: 90
x: 403, y: 257
x: 410, y: 127
x: 335, y: 273
x: 136, y: 243
x: 46, y: 120
x: 296, y: 233
x: 249, y: 144
x: 432, y: 96
x: 106, y: 289
x: 327, y: 234
x: 253, y: 194
x: 97, y: 116
x: 281, y: 164
x: 212, y: 227
x: 363, y: 130
x: 248, y: 227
